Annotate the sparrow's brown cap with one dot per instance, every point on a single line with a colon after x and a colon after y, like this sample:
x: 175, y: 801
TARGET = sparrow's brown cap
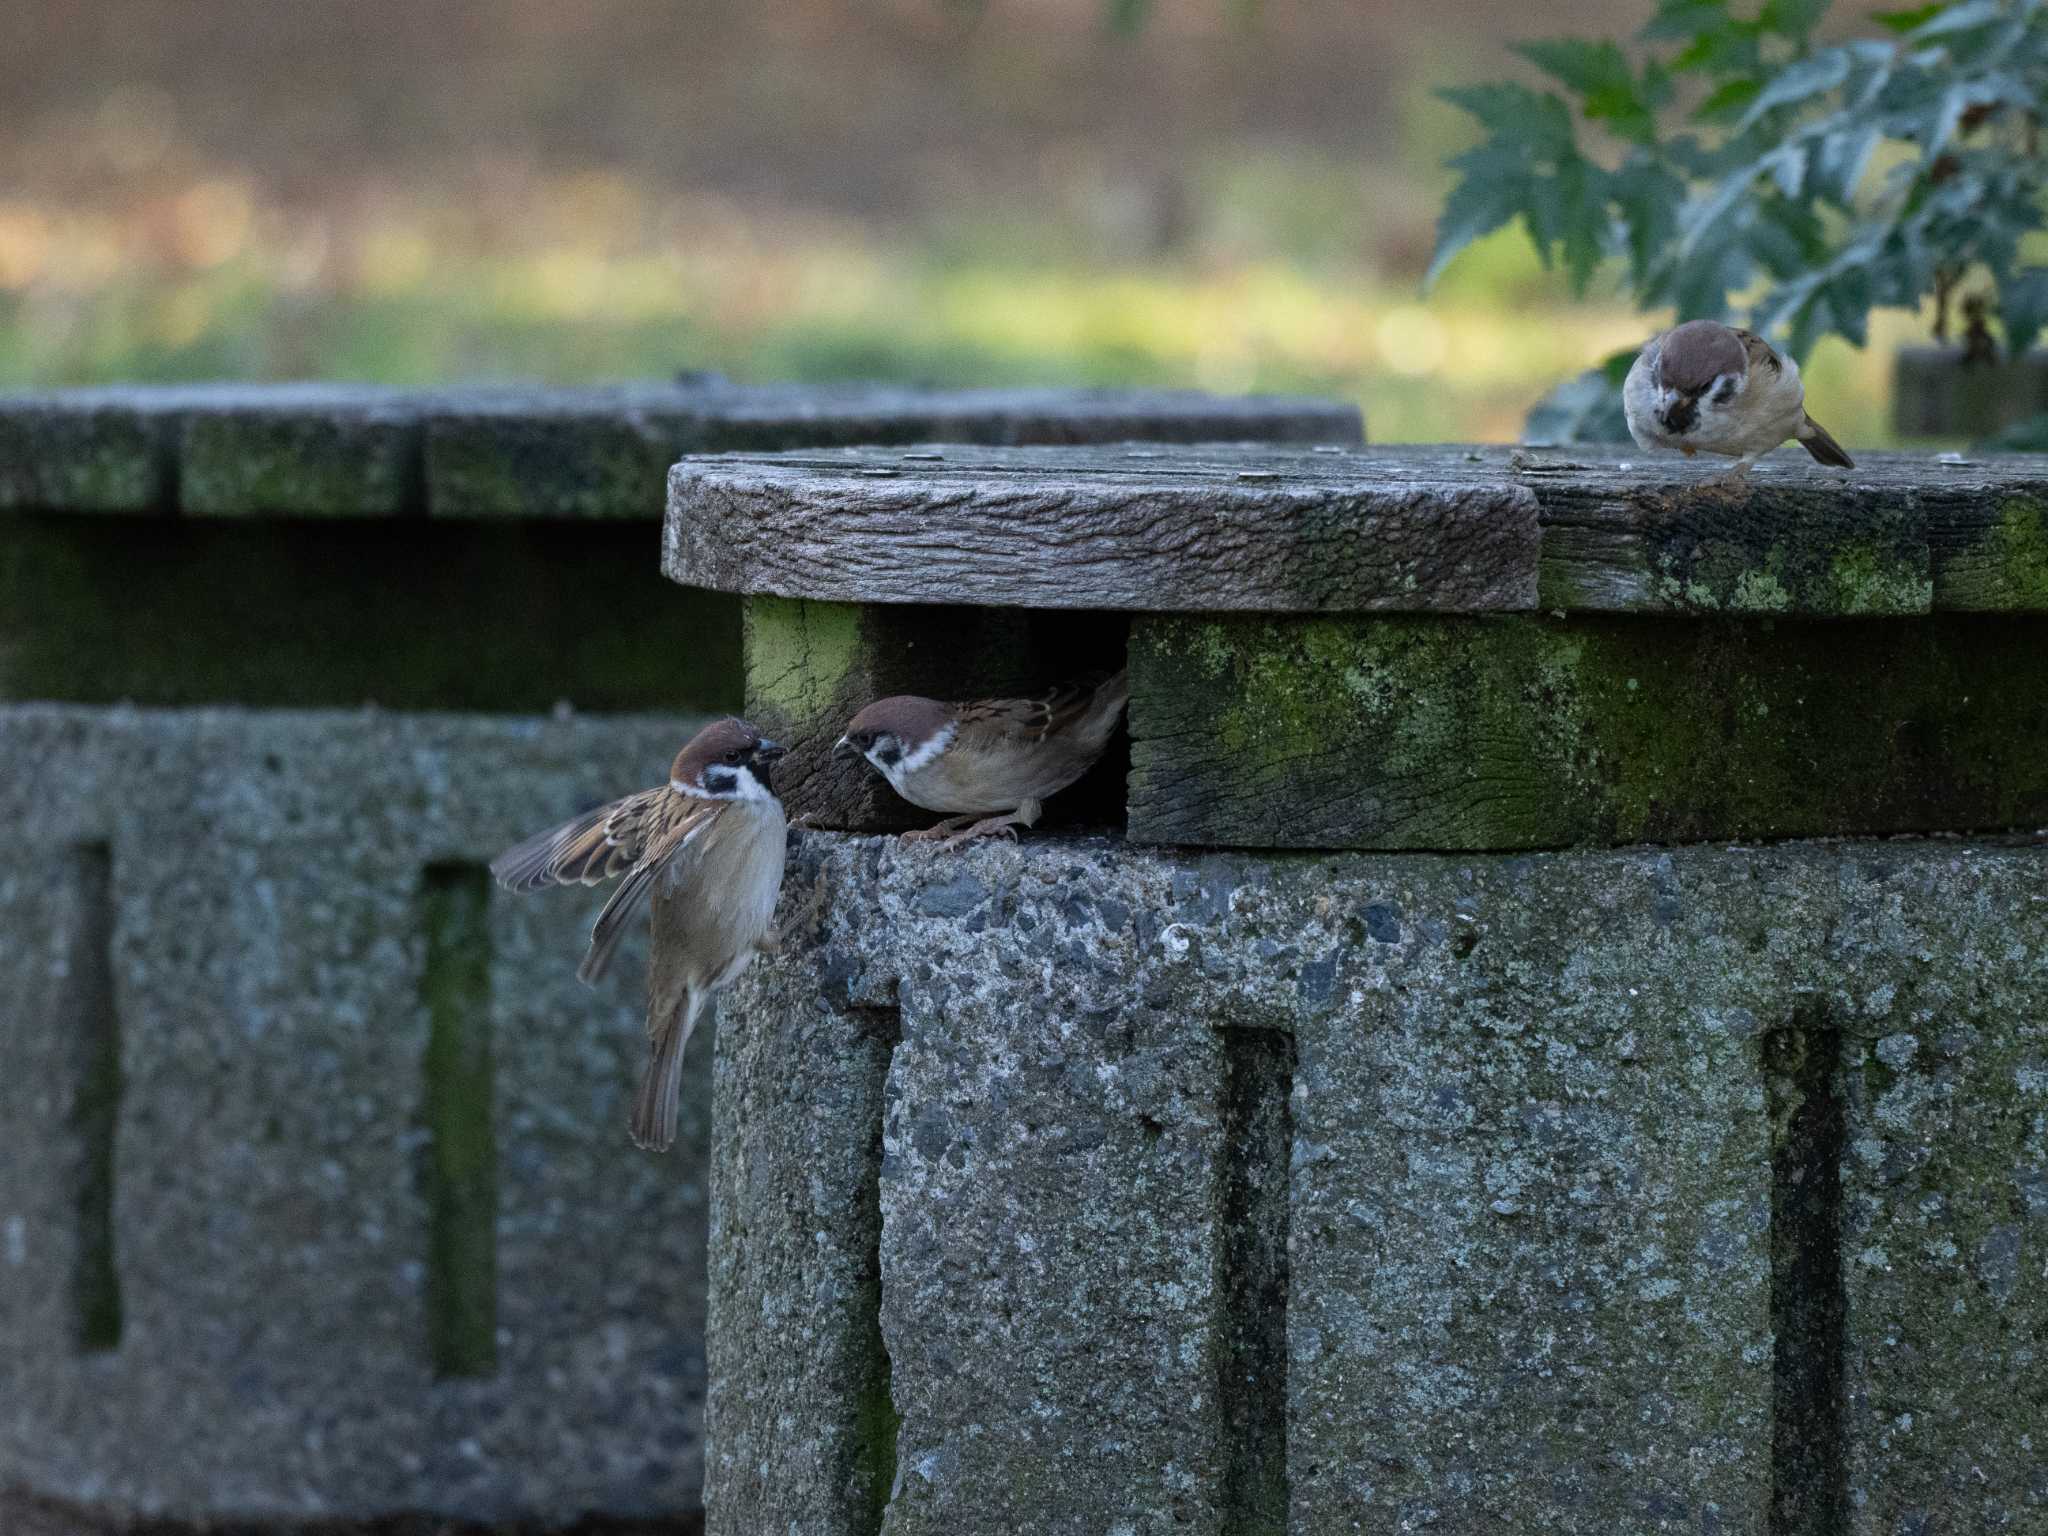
x: 1697, y: 353
x: 905, y: 716
x: 717, y: 741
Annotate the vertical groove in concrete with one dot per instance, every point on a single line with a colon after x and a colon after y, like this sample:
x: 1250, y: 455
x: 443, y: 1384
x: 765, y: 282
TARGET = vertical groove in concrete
x: 1809, y: 1135
x: 876, y: 1420
x: 462, y: 1150
x: 1252, y: 1363
x: 88, y: 1017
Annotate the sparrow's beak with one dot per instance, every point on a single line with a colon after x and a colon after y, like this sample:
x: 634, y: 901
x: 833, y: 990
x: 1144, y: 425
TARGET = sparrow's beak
x: 842, y: 749
x: 768, y: 750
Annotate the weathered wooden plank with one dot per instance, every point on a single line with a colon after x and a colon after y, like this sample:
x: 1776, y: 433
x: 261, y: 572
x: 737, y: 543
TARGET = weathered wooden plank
x: 1211, y: 529
x: 351, y: 450
x: 1408, y: 529
x: 1900, y: 534
x: 1530, y: 733
x: 811, y: 666
x: 301, y: 450
x: 603, y: 453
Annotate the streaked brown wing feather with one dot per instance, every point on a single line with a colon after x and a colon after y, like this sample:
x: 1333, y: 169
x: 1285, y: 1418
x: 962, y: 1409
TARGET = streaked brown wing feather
x: 1031, y: 719
x: 671, y: 829
x: 588, y: 850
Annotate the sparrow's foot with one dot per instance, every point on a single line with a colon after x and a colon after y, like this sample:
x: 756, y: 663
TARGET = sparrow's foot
x: 949, y: 825
x: 994, y: 826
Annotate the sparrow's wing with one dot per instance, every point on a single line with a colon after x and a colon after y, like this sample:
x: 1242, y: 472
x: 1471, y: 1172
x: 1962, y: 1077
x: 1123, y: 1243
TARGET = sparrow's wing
x: 588, y: 850
x: 1089, y: 710
x: 1761, y: 353
x: 673, y: 826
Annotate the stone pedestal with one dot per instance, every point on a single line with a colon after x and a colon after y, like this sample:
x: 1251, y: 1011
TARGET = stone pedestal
x: 315, y: 1194
x: 1355, y: 1138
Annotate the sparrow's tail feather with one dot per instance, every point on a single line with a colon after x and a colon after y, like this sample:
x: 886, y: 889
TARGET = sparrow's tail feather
x: 1822, y: 445
x: 653, y: 1126
x: 613, y: 921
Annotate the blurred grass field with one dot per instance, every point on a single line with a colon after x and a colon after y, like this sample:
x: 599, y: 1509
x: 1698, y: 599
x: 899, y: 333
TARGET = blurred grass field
x: 148, y: 235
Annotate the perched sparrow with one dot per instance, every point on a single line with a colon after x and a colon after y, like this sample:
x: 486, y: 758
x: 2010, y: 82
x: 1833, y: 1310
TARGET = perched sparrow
x: 1704, y: 387
x: 715, y: 835
x: 996, y: 759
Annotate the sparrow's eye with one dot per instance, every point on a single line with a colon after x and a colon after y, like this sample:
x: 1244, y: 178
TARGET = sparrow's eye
x: 735, y: 757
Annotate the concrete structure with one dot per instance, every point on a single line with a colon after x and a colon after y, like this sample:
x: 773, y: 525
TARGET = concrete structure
x: 314, y: 1192
x: 1353, y: 1140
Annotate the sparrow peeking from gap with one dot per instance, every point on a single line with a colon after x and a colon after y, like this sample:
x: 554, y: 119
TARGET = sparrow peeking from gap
x: 992, y: 762
x: 1704, y: 387
x: 715, y: 834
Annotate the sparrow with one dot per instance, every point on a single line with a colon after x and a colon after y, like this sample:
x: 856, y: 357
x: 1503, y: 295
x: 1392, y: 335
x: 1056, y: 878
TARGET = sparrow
x: 714, y: 836
x: 1705, y: 387
x: 992, y: 762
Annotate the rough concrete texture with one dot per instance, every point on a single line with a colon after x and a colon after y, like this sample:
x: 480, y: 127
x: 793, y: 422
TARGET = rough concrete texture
x: 342, y: 450
x: 1547, y: 1234
x: 1943, y: 1023
x: 793, y: 1241
x: 249, y: 1178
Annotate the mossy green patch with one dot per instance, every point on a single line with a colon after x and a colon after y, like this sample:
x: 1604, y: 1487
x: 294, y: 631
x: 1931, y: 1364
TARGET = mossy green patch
x: 1525, y: 732
x: 83, y: 462
x: 462, y: 1147
x: 500, y: 617
x: 256, y: 464
x: 801, y: 657
x: 2018, y: 550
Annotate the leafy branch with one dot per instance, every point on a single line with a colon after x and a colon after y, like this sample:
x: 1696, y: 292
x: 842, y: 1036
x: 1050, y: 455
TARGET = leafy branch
x: 1739, y: 158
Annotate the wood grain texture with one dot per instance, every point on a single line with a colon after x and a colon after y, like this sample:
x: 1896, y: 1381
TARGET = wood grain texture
x: 1530, y: 732
x: 1203, y: 529
x: 1223, y: 529
x: 1900, y: 534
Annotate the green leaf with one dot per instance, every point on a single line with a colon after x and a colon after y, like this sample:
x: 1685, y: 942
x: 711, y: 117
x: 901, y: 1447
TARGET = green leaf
x: 1959, y: 18
x: 1907, y: 20
x: 1809, y: 77
x: 1580, y: 65
x: 1517, y: 114
x: 1839, y: 160
x: 1688, y: 19
x: 1582, y: 219
x: 1495, y: 191
x: 1583, y: 409
x: 1726, y: 100
x: 1795, y: 19
x: 1648, y: 198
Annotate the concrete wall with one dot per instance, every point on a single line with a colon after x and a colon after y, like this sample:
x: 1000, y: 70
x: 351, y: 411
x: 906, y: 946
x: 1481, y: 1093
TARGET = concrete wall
x: 236, y: 1273
x: 1083, y: 1188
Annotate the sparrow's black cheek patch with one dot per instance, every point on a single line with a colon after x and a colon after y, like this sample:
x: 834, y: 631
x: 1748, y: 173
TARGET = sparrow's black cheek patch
x: 1725, y: 393
x: 890, y: 755
x: 720, y: 781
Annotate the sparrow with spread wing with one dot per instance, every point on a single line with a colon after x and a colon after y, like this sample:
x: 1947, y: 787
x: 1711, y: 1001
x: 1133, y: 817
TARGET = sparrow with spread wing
x: 992, y: 762
x: 1705, y: 387
x: 715, y: 837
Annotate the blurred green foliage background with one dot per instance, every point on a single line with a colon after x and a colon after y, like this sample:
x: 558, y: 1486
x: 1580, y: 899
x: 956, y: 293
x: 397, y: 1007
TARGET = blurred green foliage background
x: 1235, y: 196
